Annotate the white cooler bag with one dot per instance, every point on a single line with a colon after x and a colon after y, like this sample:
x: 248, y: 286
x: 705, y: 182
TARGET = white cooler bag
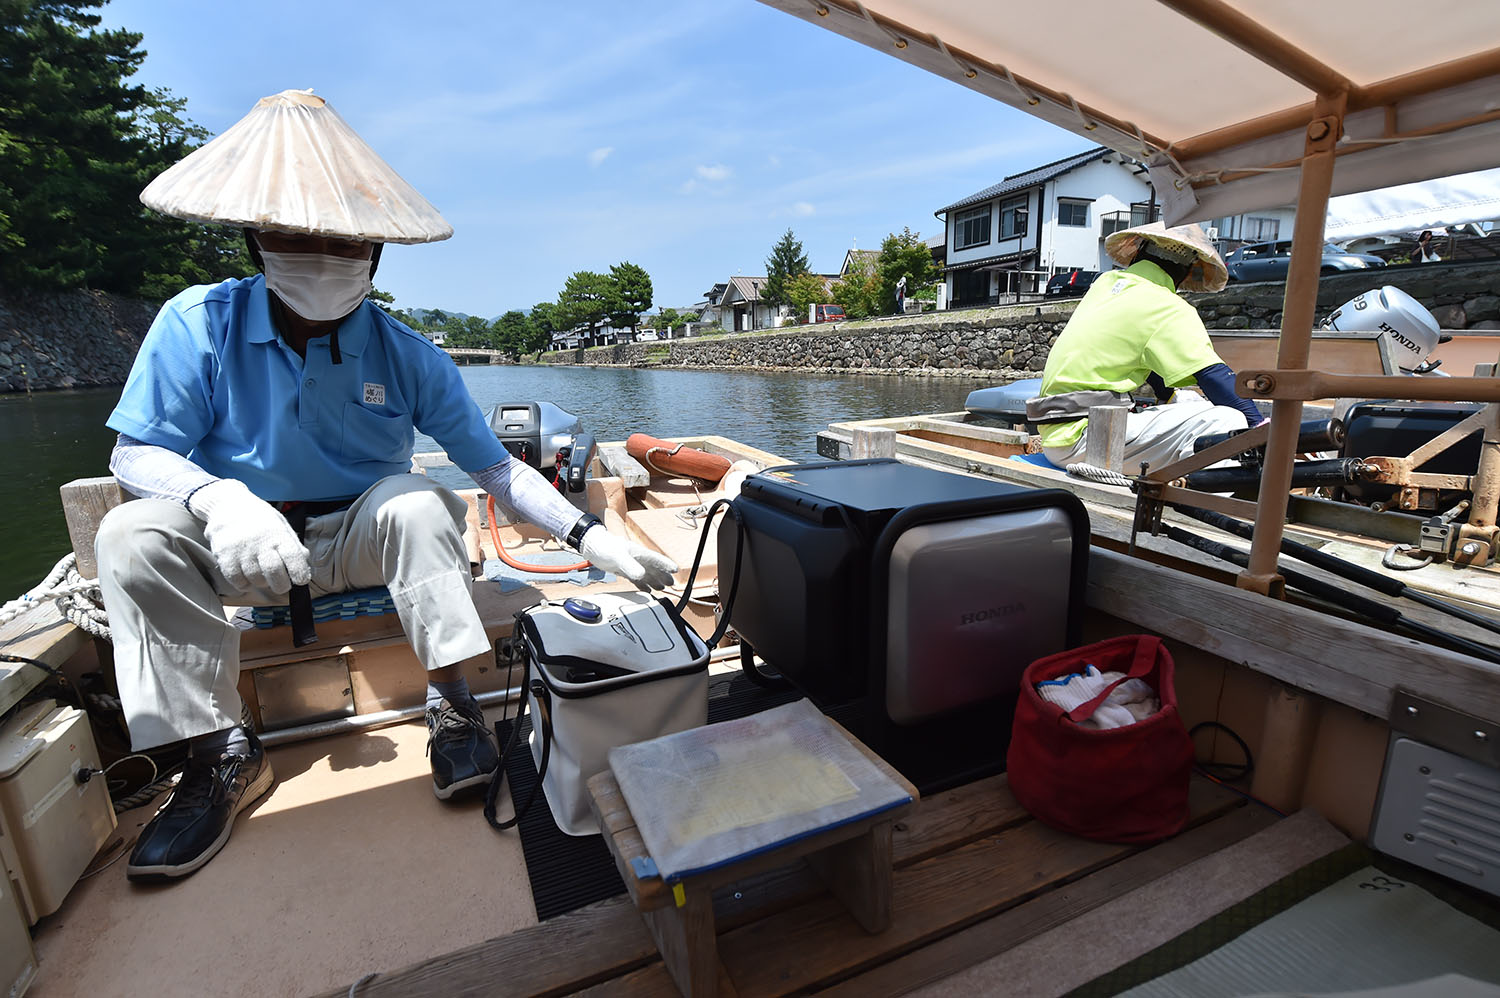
x: 610, y: 670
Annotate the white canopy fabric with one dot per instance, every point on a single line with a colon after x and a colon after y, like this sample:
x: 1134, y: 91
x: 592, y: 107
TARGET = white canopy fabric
x: 1407, y: 208
x: 1216, y: 95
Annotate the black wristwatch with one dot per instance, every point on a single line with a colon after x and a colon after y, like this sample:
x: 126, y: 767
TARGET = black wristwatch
x: 575, y: 536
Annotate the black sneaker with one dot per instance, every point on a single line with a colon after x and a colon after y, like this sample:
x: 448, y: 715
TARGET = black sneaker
x: 195, y: 823
x: 461, y: 746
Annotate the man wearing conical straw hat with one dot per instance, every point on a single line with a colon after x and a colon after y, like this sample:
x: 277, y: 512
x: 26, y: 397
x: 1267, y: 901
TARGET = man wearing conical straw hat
x: 268, y: 425
x: 1131, y: 329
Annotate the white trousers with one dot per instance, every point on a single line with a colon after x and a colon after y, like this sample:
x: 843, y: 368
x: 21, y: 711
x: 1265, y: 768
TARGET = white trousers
x: 177, y: 658
x: 1161, y: 434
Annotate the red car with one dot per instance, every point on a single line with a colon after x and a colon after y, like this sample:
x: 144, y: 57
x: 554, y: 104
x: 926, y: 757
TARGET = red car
x: 825, y: 313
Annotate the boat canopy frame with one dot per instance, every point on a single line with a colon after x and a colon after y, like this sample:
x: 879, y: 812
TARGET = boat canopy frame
x: 1316, y: 112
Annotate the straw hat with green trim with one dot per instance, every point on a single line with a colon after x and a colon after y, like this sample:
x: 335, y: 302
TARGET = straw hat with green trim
x: 293, y: 165
x: 1182, y: 243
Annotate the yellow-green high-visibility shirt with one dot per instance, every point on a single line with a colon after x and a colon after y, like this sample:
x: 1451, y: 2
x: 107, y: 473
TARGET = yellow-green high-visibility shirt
x: 1130, y: 323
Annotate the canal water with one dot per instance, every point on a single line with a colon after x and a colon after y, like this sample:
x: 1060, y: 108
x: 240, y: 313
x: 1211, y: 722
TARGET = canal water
x: 50, y: 438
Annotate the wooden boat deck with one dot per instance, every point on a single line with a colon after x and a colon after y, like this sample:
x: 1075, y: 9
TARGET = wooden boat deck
x: 976, y: 878
x: 351, y: 869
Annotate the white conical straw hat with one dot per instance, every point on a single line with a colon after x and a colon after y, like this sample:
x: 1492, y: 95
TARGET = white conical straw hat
x: 293, y: 165
x: 1189, y: 242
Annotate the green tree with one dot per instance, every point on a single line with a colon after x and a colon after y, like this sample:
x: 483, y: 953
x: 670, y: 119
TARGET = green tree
x: 587, y: 299
x: 632, y: 294
x: 804, y: 290
x: 544, y: 322
x: 70, y: 165
x: 470, y: 332
x: 786, y: 263
x: 903, y: 255
x: 858, y: 290
x: 384, y: 299
x: 513, y: 333
x: 669, y: 319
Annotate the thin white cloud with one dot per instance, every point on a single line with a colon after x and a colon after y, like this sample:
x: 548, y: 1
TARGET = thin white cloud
x: 773, y: 160
x: 715, y: 173
x: 600, y: 155
x: 803, y: 209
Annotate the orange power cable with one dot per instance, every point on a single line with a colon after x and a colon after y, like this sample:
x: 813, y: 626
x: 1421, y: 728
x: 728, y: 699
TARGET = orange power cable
x: 521, y: 565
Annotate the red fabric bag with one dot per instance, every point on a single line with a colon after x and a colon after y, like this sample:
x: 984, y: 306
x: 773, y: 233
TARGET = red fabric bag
x: 1127, y: 784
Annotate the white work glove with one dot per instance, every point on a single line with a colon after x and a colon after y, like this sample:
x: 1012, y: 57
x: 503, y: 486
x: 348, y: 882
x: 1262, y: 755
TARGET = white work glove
x: 646, y: 568
x: 254, y: 545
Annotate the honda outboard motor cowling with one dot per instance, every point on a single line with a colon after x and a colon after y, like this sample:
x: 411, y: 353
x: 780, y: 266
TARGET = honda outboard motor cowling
x: 548, y: 438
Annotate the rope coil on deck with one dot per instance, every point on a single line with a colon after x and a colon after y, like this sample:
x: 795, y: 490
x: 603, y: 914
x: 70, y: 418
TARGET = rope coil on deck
x: 78, y: 599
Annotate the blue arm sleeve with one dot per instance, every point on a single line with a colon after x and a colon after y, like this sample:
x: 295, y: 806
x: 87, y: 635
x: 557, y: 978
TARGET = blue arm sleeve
x: 1217, y: 382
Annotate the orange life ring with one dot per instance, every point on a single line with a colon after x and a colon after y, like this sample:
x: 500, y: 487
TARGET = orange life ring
x: 668, y: 458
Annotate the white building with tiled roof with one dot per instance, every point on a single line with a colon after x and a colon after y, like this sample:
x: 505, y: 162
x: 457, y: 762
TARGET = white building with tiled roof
x: 1008, y: 239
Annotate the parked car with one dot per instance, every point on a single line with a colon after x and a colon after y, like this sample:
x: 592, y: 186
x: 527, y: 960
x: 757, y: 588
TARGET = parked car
x: 1269, y: 261
x: 825, y: 313
x: 1070, y: 284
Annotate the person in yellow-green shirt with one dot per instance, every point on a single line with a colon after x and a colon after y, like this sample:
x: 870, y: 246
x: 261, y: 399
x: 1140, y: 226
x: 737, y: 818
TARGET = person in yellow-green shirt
x: 1131, y: 330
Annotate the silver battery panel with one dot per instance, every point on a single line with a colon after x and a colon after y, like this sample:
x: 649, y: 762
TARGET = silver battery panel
x: 1440, y: 811
x: 972, y: 602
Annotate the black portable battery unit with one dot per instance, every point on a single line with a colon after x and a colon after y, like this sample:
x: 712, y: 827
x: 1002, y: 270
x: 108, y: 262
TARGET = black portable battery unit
x: 1394, y: 429
x: 906, y: 601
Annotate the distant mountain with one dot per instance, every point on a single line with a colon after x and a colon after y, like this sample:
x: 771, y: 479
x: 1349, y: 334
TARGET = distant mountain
x: 421, y: 314
x: 424, y: 315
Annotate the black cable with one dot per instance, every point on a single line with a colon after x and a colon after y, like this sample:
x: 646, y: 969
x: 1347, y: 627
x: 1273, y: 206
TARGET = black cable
x: 51, y: 670
x: 1379, y: 612
x: 69, y: 690
x: 1227, y: 770
x: 1354, y: 573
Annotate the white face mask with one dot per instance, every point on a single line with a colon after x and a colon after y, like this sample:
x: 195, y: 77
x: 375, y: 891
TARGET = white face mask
x: 317, y: 287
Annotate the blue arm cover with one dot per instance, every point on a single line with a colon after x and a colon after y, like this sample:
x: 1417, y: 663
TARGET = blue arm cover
x: 1217, y: 382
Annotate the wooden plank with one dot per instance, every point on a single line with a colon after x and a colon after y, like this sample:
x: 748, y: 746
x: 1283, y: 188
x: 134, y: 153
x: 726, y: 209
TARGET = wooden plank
x: 622, y: 466
x: 607, y: 941
x: 1104, y: 444
x: 996, y: 935
x: 686, y: 939
x: 573, y: 961
x: 650, y: 982
x: 564, y: 954
x: 858, y: 873
x: 1154, y: 913
x: 1349, y: 353
x: 84, y: 502
x: 1343, y: 661
x: 42, y: 633
x: 872, y: 442
x: 818, y: 944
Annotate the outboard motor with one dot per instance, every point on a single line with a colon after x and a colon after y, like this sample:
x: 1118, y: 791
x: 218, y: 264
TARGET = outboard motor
x: 1405, y: 322
x: 548, y: 438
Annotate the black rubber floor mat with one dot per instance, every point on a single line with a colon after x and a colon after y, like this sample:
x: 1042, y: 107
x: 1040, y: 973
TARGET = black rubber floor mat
x: 567, y: 871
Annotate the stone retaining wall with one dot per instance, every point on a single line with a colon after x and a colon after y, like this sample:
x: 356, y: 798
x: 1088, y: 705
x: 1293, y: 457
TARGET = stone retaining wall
x: 70, y: 340
x: 1013, y: 340
x: 82, y: 338
x: 1461, y: 296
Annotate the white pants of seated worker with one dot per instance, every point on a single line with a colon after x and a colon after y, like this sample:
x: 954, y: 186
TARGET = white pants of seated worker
x: 1161, y: 434
x: 177, y: 658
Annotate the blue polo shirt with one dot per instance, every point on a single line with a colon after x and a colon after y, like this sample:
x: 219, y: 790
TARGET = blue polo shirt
x: 215, y: 382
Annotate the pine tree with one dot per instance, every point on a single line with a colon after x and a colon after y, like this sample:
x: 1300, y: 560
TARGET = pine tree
x: 632, y: 293
x: 785, y: 262
x: 69, y: 164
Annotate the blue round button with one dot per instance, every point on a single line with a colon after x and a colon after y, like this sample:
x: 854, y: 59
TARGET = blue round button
x: 581, y: 609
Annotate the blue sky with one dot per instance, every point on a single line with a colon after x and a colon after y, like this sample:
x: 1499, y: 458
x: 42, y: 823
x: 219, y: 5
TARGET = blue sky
x: 685, y: 137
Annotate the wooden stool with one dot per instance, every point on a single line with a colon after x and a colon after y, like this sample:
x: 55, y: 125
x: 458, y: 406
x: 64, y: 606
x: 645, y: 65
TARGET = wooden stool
x: 854, y: 860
